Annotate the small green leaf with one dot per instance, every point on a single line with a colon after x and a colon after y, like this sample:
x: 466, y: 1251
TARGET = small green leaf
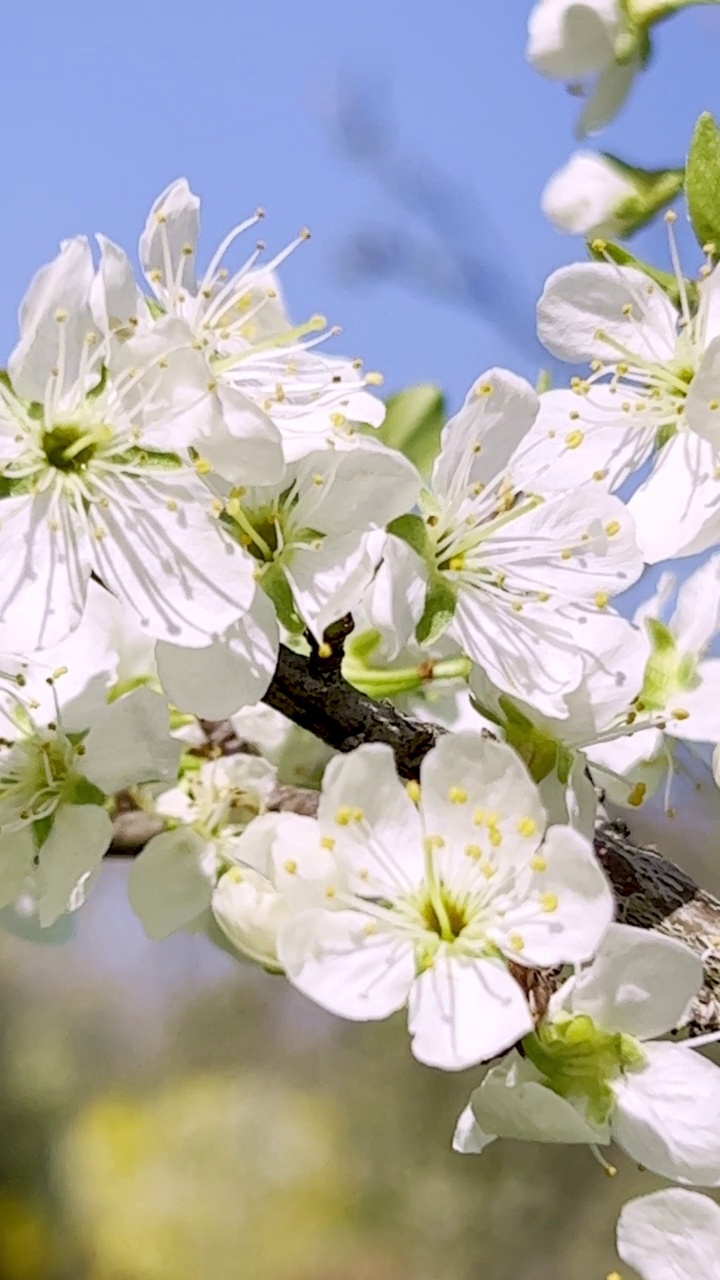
x: 413, y: 423
x: 602, y: 250
x: 413, y: 530
x: 77, y: 790
x: 703, y: 182
x: 438, y: 613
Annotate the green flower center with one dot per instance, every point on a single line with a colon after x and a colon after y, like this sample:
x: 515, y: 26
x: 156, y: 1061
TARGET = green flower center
x: 442, y: 914
x: 70, y: 447
x: 580, y: 1061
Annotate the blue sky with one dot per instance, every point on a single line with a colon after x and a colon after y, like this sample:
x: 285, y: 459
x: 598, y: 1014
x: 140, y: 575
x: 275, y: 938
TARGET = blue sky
x: 104, y: 105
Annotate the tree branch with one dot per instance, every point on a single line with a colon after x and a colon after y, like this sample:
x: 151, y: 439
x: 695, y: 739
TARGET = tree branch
x: 650, y: 891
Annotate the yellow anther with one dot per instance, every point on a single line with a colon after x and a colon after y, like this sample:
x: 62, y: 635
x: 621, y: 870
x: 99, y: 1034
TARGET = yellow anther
x: 156, y: 275
x: 433, y: 842
x: 61, y: 315
x: 58, y: 672
x: 599, y: 475
x: 374, y: 379
x: 202, y: 466
x: 612, y: 528
x: 598, y: 245
x: 473, y: 851
x: 324, y: 650
x: 487, y: 870
x: 327, y: 842
x: 479, y: 817
x: 543, y: 596
x: 370, y: 928
x: 601, y: 598
x: 304, y: 233
x: 548, y: 902
x: 566, y: 553
x: 318, y: 480
x: 412, y: 789
x: 343, y: 817
x: 331, y: 891
x: 574, y: 439
x: 637, y: 795
x: 574, y: 414
x: 485, y: 389
x: 714, y: 405
x: 538, y: 863
x: 290, y: 866
x: 671, y: 216
x: 457, y: 563
x: 516, y: 606
x: 679, y: 713
x: 457, y: 795
x: 338, y: 419
x: 516, y: 942
x: 527, y: 827
x: 432, y: 521
x: 627, y: 309
x: 495, y: 837
x: 357, y: 815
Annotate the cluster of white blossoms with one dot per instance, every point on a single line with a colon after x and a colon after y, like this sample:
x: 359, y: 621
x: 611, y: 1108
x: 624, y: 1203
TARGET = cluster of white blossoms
x: 191, y: 489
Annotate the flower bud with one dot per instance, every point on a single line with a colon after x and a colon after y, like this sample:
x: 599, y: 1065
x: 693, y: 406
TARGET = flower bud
x: 597, y: 195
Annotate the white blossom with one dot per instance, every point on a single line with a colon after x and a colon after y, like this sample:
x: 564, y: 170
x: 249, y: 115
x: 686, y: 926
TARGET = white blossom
x: 172, y: 880
x: 595, y: 195
x: 91, y: 487
x: 499, y: 563
x: 433, y: 900
x: 652, y: 389
x: 246, y: 383
x: 589, y: 41
x: 594, y: 1070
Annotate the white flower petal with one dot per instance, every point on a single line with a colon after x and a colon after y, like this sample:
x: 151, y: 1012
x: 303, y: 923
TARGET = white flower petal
x: 250, y: 913
x: 17, y: 857
x: 478, y: 442
x: 677, y: 509
x: 59, y: 289
x: 171, y: 881
x: 79, y: 837
x: 580, y: 300
x: 463, y: 1011
x: 608, y: 96
x: 702, y: 404
x: 639, y: 983
x: 332, y: 957
x: 569, y: 911
x: 671, y: 1235
x: 667, y: 1115
x: 695, y: 619
x: 233, y: 672
x: 131, y: 743
x: 386, y: 839
x: 43, y: 573
x: 172, y: 224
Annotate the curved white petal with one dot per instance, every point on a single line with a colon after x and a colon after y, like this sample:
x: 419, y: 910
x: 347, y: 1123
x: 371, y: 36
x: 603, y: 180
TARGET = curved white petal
x: 607, y: 97
x: 366, y: 809
x: 17, y: 856
x: 671, y: 1235
x: 336, y: 960
x: 463, y: 1011
x: 44, y: 573
x: 55, y: 319
x: 171, y: 881
x: 130, y: 742
x: 568, y: 40
x: 172, y: 224
x: 231, y: 673
x: 478, y: 442
x: 667, y: 1115
x: 79, y: 836
x: 677, y: 509
x: 581, y: 300
x: 639, y: 983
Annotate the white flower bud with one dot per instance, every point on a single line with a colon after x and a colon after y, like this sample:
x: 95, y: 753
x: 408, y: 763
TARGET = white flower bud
x: 586, y: 197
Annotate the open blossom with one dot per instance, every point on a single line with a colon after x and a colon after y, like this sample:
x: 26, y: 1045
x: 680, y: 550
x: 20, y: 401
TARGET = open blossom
x: 653, y: 388
x: 438, y: 893
x: 305, y: 535
x: 589, y: 41
x: 671, y: 1235
x: 244, y: 380
x: 172, y: 880
x: 64, y: 752
x: 594, y: 1070
x: 92, y: 488
x: 497, y: 563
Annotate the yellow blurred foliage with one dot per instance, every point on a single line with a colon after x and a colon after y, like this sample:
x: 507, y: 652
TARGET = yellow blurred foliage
x: 26, y: 1248
x: 216, y: 1177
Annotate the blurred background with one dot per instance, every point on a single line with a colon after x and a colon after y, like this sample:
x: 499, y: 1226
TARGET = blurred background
x: 167, y: 1114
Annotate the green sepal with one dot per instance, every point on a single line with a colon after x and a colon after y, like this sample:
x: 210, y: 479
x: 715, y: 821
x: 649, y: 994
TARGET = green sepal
x: 413, y: 530
x: 537, y: 749
x: 702, y: 182
x: 440, y: 603
x: 153, y: 459
x: 362, y: 645
x: 661, y: 668
x: 413, y: 422
x: 77, y: 790
x: 600, y: 250
x: 277, y: 588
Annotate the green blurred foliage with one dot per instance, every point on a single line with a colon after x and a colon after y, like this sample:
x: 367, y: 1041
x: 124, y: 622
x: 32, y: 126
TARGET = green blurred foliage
x: 413, y: 423
x: 702, y: 183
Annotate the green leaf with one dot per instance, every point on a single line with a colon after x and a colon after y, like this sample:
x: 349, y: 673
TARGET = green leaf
x: 413, y: 530
x: 703, y: 182
x: 413, y: 423
x: 438, y: 613
x: 602, y: 250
